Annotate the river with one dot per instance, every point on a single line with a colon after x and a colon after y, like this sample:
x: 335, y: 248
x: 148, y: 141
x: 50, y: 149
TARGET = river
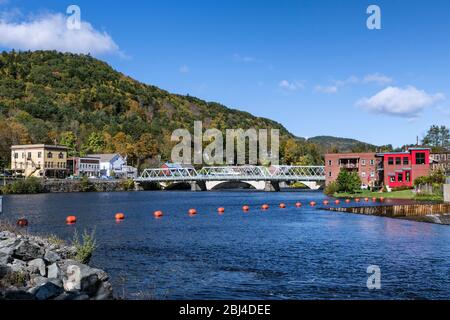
x: 292, y: 253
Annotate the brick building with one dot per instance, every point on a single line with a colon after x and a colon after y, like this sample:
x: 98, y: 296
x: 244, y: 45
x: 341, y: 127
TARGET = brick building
x: 393, y: 169
x: 365, y: 164
x: 441, y: 161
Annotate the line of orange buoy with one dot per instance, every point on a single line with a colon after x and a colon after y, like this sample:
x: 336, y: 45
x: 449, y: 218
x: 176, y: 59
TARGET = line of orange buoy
x: 347, y: 200
x: 265, y: 206
x: 282, y: 206
x: 337, y: 201
x: 298, y: 204
x: 357, y: 200
x: 326, y: 202
x: 245, y: 208
x: 312, y: 203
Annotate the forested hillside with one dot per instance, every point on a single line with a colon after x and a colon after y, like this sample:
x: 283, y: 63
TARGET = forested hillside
x: 81, y: 102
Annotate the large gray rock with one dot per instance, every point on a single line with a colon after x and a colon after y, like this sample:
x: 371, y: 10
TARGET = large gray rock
x: 80, y: 277
x: 17, y: 295
x: 104, y: 292
x: 6, y: 235
x: 8, y: 246
x: 37, y: 280
x: 5, y: 258
x: 47, y: 291
x: 28, y: 251
x: 51, y: 256
x: 54, y: 272
x: 40, y: 264
x: 18, y: 266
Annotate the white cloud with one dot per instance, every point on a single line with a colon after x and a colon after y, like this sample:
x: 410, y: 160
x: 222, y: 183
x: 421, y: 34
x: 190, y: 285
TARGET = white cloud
x: 50, y: 32
x: 377, y: 78
x: 239, y: 58
x: 184, y: 69
x: 406, y: 102
x: 326, y: 89
x: 291, y: 86
x: 348, y: 81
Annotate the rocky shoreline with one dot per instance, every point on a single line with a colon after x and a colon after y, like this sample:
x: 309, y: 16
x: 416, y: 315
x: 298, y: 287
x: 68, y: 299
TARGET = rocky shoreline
x: 35, y: 268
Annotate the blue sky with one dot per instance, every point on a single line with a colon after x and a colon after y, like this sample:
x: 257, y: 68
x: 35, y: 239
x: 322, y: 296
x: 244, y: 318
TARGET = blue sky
x: 313, y: 66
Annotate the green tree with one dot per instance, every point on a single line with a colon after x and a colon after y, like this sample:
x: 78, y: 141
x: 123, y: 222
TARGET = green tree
x: 69, y: 140
x: 348, y: 181
x: 437, y: 137
x: 95, y: 143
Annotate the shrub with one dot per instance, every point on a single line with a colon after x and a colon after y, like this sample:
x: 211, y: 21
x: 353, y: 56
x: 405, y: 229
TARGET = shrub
x: 25, y: 186
x: 86, y: 185
x: 127, y: 185
x: 436, y: 177
x: 85, y: 247
x: 331, y: 188
x: 348, y: 181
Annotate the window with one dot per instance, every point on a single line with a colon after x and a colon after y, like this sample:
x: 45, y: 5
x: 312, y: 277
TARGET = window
x: 363, y: 174
x: 29, y: 155
x: 16, y: 155
x: 390, y: 160
x: 372, y: 174
x: 23, y: 155
x: 49, y: 155
x: 39, y: 154
x: 392, y: 178
x: 61, y: 155
x: 400, y: 177
x: 363, y: 162
x: 329, y: 174
x: 398, y: 161
x: 420, y: 158
x: 405, y: 161
x: 330, y: 162
x: 437, y: 157
x: 372, y: 162
x: 407, y: 176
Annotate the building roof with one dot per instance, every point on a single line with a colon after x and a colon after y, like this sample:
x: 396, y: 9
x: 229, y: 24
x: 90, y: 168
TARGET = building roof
x: 105, y: 157
x: 39, y: 146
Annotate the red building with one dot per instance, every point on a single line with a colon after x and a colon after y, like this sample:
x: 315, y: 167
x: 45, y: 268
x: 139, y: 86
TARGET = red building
x: 393, y: 169
x: 400, y: 169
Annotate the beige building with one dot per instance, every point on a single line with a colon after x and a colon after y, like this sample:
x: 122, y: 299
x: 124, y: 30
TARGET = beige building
x: 39, y: 160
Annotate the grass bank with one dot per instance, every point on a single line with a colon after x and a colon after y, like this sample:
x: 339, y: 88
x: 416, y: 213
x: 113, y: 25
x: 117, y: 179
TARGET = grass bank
x: 403, y: 194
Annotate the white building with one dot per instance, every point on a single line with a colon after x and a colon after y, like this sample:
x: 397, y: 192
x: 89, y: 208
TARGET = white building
x: 113, y: 164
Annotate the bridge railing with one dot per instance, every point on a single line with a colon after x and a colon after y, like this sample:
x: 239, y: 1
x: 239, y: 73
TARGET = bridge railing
x: 236, y: 173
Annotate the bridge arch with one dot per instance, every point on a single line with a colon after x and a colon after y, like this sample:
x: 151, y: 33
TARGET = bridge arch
x: 182, y: 185
x: 216, y: 185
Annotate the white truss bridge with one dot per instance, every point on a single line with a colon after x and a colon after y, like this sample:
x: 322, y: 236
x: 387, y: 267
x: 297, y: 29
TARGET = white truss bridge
x: 311, y: 175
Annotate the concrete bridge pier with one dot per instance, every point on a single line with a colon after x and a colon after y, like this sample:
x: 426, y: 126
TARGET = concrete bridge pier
x: 272, y: 186
x: 198, y: 186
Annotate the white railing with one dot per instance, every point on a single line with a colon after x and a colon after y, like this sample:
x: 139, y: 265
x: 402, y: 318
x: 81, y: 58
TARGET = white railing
x: 235, y: 173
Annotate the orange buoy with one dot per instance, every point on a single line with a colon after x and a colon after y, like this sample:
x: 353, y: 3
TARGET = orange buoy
x: 22, y: 222
x: 282, y: 205
x: 374, y: 199
x: 347, y: 200
x: 120, y: 216
x: 245, y: 208
x: 326, y: 202
x: 265, y: 206
x: 366, y: 199
x: 158, y: 214
x: 337, y: 201
x: 192, y: 212
x: 357, y: 199
x: 221, y: 210
x: 71, y: 219
x: 298, y: 204
x: 382, y: 199
x: 312, y: 203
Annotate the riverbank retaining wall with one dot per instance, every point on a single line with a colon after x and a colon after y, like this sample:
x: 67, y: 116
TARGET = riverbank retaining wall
x: 407, y: 210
